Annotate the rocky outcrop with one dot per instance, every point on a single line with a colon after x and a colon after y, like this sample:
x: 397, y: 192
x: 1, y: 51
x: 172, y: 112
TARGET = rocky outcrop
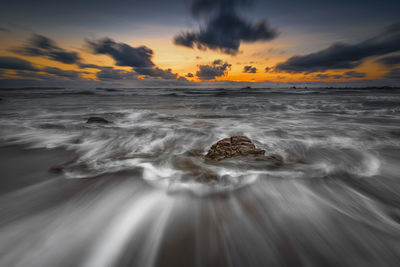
x: 232, y: 147
x: 97, y: 120
x: 242, y: 147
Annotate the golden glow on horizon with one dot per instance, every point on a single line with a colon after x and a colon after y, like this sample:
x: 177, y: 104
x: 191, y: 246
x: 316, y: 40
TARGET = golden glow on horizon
x: 183, y: 61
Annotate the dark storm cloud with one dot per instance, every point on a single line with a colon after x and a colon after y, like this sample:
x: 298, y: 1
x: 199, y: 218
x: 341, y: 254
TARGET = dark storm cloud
x: 138, y: 58
x: 25, y: 69
x: 249, y: 69
x: 268, y: 69
x: 390, y: 61
x: 337, y: 76
x: 225, y: 29
x: 345, y: 56
x: 41, y: 46
x: 346, y: 75
x: 90, y: 66
x: 157, y: 73
x: 123, y: 54
x: 113, y: 74
x: 69, y: 74
x: 393, y: 74
x: 323, y: 76
x: 35, y: 75
x: 355, y: 74
x: 14, y: 63
x: 217, y: 68
x: 2, y: 29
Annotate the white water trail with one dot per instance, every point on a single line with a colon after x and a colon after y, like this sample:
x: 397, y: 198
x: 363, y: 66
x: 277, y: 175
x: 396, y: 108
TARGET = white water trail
x: 111, y: 244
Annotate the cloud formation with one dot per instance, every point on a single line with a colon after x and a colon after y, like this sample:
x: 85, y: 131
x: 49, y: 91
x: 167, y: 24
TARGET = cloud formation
x: 14, y: 63
x: 393, y: 74
x: 323, y: 76
x: 217, y: 68
x: 25, y: 69
x: 390, y: 60
x: 138, y: 58
x: 110, y: 73
x: 355, y: 74
x: 39, y: 45
x: 268, y: 69
x: 345, y: 56
x: 224, y: 30
x: 69, y: 74
x: 249, y: 69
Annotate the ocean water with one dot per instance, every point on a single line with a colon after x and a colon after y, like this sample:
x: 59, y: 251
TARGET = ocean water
x: 136, y: 192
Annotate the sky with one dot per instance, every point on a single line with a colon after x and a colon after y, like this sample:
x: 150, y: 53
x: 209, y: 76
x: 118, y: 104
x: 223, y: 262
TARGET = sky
x: 155, y: 43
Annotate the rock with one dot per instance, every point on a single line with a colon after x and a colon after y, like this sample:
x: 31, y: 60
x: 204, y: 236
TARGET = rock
x: 97, y: 120
x: 232, y: 147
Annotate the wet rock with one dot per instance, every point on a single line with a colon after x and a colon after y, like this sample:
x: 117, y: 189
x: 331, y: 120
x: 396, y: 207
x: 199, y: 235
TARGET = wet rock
x: 232, y: 147
x: 97, y: 120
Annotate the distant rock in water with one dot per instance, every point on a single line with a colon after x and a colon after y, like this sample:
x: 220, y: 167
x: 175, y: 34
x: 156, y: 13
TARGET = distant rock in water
x: 231, y: 147
x: 97, y: 120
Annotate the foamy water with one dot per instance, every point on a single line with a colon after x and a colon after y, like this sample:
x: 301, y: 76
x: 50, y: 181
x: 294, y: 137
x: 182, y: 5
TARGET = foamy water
x: 339, y: 203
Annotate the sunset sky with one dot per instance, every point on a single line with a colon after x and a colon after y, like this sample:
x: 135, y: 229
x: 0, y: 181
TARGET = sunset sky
x: 199, y: 43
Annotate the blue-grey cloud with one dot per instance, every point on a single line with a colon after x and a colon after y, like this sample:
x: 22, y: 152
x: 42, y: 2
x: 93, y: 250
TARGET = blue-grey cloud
x: 225, y: 29
x: 390, y: 60
x: 90, y: 66
x: 268, y: 69
x: 323, y: 76
x: 41, y: 46
x: 345, y: 56
x: 355, y: 74
x: 25, y: 69
x: 14, y: 63
x: 249, y: 69
x: 217, y: 68
x: 123, y: 54
x: 69, y: 74
x: 110, y: 73
x: 346, y: 75
x: 138, y: 58
x: 393, y: 74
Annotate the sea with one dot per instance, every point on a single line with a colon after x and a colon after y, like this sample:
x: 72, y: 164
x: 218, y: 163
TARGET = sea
x: 136, y: 191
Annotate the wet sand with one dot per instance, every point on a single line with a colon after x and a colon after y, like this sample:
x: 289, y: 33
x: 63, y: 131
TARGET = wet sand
x: 21, y: 167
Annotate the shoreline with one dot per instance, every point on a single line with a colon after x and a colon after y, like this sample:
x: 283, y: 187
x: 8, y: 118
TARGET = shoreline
x: 21, y: 166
